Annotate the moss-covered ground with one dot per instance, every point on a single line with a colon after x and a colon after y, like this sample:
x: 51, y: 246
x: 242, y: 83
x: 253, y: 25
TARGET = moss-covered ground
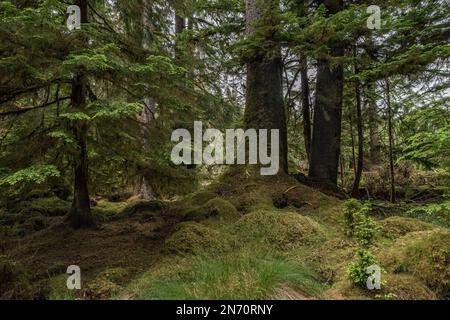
x: 240, y: 237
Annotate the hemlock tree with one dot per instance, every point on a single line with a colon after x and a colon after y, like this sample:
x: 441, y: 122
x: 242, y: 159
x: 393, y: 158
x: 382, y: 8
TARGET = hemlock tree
x: 264, y: 106
x: 326, y: 139
x: 77, y: 95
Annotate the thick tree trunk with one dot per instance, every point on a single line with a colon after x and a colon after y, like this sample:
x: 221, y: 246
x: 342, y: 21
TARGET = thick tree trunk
x: 80, y: 211
x: 326, y: 141
x: 264, y: 107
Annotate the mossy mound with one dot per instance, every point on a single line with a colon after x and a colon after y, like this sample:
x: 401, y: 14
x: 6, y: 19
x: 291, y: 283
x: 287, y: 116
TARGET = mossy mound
x: 51, y: 207
x: 424, y: 254
x: 108, y: 208
x: 216, y: 208
x: 395, y: 227
x: 195, y: 238
x: 407, y: 287
x: 142, y: 206
x: 106, y: 284
x: 200, y: 198
x: 283, y: 230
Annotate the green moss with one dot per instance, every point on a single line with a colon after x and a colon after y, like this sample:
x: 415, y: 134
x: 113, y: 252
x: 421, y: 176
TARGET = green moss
x: 195, y: 238
x: 406, y: 287
x: 424, y: 254
x: 216, y: 208
x: 58, y: 289
x: 106, y: 284
x: 142, y: 206
x: 283, y: 230
x: 200, y: 198
x: 395, y: 227
x: 15, y: 282
x: 108, y: 208
x: 52, y: 207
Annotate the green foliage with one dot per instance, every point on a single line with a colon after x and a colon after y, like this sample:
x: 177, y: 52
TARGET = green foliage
x: 35, y: 174
x: 433, y: 212
x: 357, y: 270
x: 359, y: 225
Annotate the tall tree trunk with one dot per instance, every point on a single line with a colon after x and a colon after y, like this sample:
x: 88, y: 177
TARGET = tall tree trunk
x: 264, y: 107
x: 80, y: 211
x: 144, y: 189
x: 372, y: 111
x: 359, y: 169
x: 306, y: 108
x: 374, y: 120
x: 326, y: 141
x: 391, y: 141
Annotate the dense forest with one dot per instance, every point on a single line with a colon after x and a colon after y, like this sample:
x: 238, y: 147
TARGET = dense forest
x: 120, y: 177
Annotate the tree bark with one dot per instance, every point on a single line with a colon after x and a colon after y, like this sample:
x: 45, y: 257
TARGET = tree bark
x: 359, y: 169
x: 391, y: 141
x: 80, y: 212
x: 306, y: 108
x: 325, y: 146
x: 374, y: 120
x: 264, y: 107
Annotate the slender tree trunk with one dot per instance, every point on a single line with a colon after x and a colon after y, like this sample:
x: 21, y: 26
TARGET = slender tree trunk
x: 80, y: 211
x: 144, y: 189
x: 306, y: 108
x: 264, y: 108
x: 359, y: 169
x: 326, y: 141
x: 353, y: 164
x: 391, y: 141
x: 372, y: 112
x: 374, y: 120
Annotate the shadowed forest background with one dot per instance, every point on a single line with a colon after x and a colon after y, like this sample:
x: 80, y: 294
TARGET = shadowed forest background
x: 86, y: 118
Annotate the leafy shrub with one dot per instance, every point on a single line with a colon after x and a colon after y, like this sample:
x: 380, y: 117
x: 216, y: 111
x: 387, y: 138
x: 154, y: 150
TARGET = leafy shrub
x: 358, y: 224
x: 357, y: 270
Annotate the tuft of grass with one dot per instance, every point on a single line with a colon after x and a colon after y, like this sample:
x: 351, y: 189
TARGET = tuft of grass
x: 246, y: 274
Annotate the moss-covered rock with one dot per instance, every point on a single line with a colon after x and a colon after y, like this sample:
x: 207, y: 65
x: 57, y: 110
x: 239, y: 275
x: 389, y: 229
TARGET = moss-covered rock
x: 395, y: 227
x: 195, y: 238
x: 216, y: 208
x: 424, y: 254
x: 283, y: 230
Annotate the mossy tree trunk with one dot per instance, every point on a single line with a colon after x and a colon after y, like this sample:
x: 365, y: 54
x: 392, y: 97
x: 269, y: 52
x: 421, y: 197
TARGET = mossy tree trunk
x: 326, y: 141
x: 80, y: 212
x: 264, y: 106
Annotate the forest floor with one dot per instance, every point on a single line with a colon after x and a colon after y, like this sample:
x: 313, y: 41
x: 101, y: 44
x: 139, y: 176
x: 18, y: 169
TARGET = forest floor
x: 239, y: 238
